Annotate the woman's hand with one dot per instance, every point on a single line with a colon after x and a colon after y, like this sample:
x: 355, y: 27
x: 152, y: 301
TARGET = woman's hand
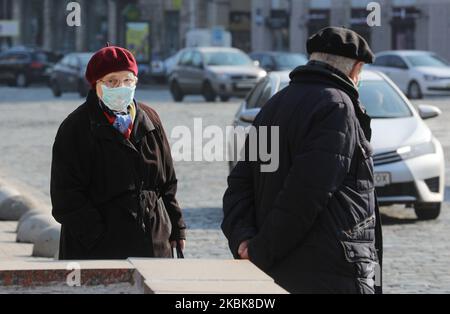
x: 181, y: 243
x: 243, y: 250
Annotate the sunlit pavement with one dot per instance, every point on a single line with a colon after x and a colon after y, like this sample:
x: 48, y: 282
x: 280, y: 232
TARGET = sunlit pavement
x: 417, y: 254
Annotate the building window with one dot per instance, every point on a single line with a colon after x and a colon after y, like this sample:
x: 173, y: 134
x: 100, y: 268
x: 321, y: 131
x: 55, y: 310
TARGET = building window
x: 359, y: 24
x: 240, y: 29
x: 403, y: 27
x: 317, y: 20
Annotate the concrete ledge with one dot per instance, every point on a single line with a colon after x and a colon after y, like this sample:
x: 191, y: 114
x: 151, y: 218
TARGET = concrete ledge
x: 137, y: 276
x: 52, y: 277
x: 47, y: 242
x: 173, y: 276
x: 31, y: 227
x: 13, y: 207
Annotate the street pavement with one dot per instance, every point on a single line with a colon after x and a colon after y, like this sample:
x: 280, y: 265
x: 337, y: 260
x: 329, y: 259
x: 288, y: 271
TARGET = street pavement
x: 417, y: 254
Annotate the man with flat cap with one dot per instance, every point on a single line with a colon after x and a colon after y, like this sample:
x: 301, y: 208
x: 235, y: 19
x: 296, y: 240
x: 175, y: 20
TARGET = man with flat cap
x: 313, y: 225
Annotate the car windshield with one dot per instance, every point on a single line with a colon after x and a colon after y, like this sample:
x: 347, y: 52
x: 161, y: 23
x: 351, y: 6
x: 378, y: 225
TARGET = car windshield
x: 290, y: 61
x: 224, y: 58
x: 382, y: 101
x: 84, y: 58
x: 427, y: 60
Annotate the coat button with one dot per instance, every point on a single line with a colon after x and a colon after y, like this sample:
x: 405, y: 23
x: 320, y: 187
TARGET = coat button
x: 351, y: 254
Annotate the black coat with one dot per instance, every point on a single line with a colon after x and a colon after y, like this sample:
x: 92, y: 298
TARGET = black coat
x: 313, y: 224
x: 115, y: 198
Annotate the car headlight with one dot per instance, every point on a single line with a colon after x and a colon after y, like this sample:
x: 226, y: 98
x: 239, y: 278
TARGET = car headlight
x: 262, y: 74
x: 223, y: 76
x: 431, y: 77
x: 408, y: 152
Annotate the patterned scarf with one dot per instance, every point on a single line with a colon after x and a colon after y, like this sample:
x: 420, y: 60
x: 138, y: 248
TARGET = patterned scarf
x: 123, y: 122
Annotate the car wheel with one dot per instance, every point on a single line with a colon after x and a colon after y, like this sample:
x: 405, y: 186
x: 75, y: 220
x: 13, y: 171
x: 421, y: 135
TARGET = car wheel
x: 21, y: 80
x: 427, y: 211
x: 82, y: 90
x: 208, y: 92
x: 414, y: 91
x: 175, y: 90
x: 224, y: 98
x: 55, y: 89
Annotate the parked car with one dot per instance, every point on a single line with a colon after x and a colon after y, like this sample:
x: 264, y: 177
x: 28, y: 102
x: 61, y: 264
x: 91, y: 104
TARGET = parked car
x: 408, y: 159
x: 22, y: 66
x: 68, y: 75
x: 416, y: 73
x: 279, y: 61
x: 160, y: 70
x: 212, y: 72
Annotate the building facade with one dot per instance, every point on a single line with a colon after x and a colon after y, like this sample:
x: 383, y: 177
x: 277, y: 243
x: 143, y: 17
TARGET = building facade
x: 157, y: 28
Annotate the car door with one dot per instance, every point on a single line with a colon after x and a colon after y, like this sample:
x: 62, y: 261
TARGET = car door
x: 73, y: 69
x: 197, y: 72
x: 398, y: 71
x: 4, y: 60
x: 17, y: 63
x: 60, y: 73
x: 183, y: 72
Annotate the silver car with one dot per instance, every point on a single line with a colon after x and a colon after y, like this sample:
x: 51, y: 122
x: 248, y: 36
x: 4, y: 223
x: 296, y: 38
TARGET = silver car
x: 214, y: 72
x: 408, y: 159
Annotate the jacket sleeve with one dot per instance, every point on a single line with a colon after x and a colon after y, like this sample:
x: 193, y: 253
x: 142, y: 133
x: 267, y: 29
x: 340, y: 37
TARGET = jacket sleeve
x: 70, y: 176
x: 170, y: 182
x: 321, y: 160
x: 238, y: 224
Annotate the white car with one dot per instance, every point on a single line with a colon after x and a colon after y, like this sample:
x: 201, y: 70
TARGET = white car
x: 416, y: 73
x: 408, y: 159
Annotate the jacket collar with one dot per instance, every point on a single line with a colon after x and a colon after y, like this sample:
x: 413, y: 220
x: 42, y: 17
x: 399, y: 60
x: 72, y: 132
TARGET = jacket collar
x: 103, y: 129
x: 323, y: 73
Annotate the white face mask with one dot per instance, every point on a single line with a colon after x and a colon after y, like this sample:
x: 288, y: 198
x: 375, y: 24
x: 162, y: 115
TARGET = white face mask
x: 118, y: 99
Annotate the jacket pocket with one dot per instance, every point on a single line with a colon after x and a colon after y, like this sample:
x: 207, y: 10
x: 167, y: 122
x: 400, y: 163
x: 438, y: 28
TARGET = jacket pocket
x: 363, y: 257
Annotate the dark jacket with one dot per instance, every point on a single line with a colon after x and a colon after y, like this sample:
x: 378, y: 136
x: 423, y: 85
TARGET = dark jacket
x: 115, y: 198
x: 313, y: 223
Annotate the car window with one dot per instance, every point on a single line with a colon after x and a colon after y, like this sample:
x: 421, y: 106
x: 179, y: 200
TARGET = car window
x: 382, y: 101
x: 267, y: 61
x: 381, y: 61
x: 266, y: 94
x: 41, y: 57
x: 73, y: 62
x: 225, y: 58
x: 18, y: 57
x: 197, y: 60
x: 427, y: 60
x: 65, y: 60
x: 186, y: 58
x: 396, y: 62
x: 289, y: 61
x: 253, y: 99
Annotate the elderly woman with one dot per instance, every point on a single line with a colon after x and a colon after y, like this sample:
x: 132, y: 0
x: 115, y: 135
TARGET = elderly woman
x: 113, y: 183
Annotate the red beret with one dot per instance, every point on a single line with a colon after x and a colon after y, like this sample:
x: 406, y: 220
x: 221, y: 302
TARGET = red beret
x: 108, y: 60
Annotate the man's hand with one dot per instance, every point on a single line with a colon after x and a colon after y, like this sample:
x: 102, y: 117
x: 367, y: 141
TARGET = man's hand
x: 182, y: 244
x: 243, y: 250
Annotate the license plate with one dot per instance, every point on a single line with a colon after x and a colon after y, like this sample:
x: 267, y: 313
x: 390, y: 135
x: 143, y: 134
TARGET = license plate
x: 382, y: 179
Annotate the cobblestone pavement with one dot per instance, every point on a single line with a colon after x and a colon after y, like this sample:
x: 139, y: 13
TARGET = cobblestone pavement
x: 417, y: 254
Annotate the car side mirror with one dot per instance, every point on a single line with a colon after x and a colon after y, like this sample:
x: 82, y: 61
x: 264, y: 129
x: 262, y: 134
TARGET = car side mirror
x: 249, y: 115
x: 428, y: 112
x: 256, y: 63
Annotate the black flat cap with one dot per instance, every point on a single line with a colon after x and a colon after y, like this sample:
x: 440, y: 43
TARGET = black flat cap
x: 341, y: 42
